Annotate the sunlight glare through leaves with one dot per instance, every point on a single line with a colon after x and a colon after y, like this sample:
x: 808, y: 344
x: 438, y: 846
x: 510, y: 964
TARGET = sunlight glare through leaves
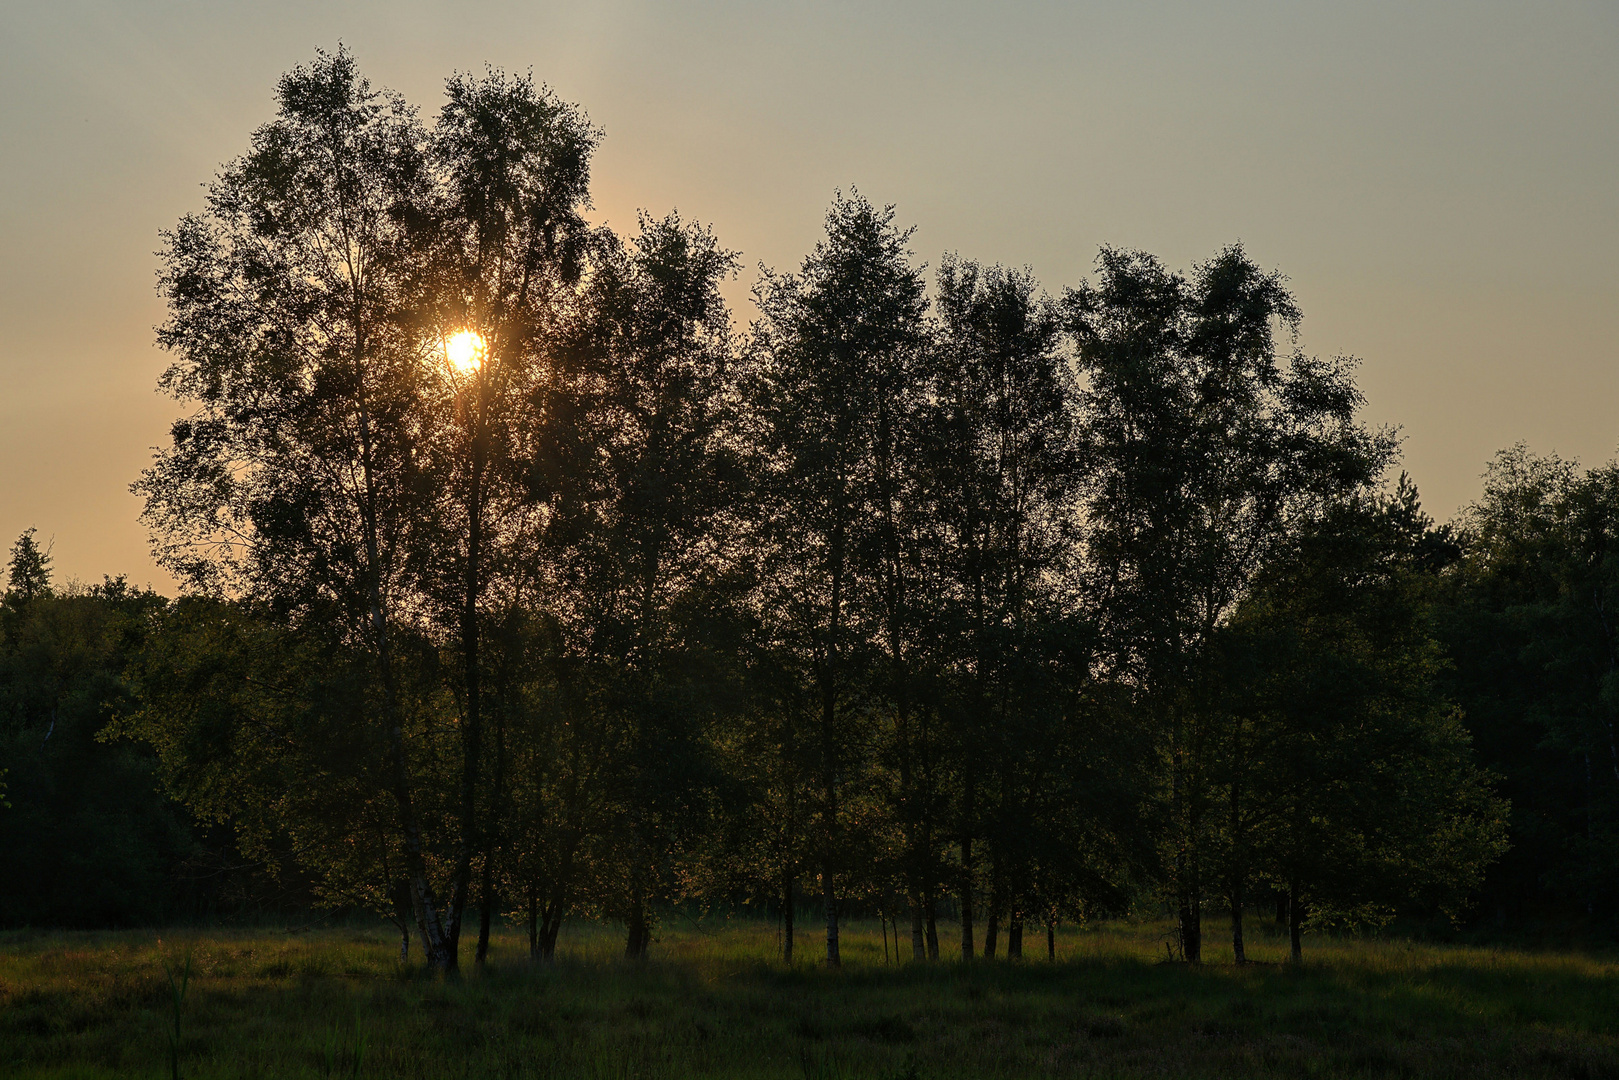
x: 465, y: 350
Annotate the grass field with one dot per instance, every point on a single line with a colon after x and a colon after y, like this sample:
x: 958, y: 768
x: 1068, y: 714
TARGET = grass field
x: 714, y: 1003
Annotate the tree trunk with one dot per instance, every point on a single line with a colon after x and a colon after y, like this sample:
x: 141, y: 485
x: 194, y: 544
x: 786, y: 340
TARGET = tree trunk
x: 919, y: 948
x: 1194, y: 928
x: 436, y: 949
x: 1238, y: 952
x: 1191, y: 910
x: 1014, y: 936
x: 991, y: 932
x: 1191, y: 929
x: 1236, y: 920
x: 1295, y: 923
x: 550, y: 924
x: 829, y: 786
x: 1239, y: 869
x: 966, y: 891
x: 830, y: 676
x: 933, y: 928
x: 787, y: 915
x: 639, y: 937
x: 533, y: 924
x: 969, y: 770
x: 403, y: 915
x: 830, y: 900
x: 424, y: 904
x: 789, y: 768
x: 1051, y: 937
x: 1186, y: 885
x: 472, y: 730
x: 492, y: 843
x: 486, y: 903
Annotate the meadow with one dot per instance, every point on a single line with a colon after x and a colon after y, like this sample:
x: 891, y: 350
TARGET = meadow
x: 714, y: 1002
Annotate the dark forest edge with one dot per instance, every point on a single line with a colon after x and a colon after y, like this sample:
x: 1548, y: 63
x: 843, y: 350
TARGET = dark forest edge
x: 976, y: 609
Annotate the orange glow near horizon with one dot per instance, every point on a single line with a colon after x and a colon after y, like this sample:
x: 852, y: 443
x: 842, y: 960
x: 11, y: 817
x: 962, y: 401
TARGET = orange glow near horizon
x: 465, y: 351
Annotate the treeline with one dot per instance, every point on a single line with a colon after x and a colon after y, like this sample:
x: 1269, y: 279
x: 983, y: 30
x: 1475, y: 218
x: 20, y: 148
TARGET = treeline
x: 520, y: 582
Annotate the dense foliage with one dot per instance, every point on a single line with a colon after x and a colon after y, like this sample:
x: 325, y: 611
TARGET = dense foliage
x: 89, y: 840
x: 931, y: 601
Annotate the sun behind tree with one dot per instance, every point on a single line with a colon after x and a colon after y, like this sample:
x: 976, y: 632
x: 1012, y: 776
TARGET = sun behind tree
x: 465, y: 350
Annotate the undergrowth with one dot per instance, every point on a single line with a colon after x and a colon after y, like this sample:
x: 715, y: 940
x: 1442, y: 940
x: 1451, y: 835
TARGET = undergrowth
x: 715, y: 1002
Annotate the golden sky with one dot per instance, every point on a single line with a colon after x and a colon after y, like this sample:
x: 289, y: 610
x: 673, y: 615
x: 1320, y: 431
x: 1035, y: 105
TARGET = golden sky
x: 1440, y: 181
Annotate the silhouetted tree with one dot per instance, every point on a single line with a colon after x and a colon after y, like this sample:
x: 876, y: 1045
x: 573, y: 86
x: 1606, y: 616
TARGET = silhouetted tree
x: 512, y: 169
x: 1527, y: 619
x: 295, y: 481
x: 1002, y: 480
x: 646, y: 532
x: 833, y: 371
x: 1350, y: 780
x: 1202, y: 445
x: 28, y: 572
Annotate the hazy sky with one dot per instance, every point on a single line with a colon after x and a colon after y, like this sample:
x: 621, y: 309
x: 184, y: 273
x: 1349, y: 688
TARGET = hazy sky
x: 1439, y: 181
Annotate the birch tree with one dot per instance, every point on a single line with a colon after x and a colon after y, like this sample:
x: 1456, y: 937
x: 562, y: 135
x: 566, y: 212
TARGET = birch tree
x: 834, y: 369
x: 294, y: 479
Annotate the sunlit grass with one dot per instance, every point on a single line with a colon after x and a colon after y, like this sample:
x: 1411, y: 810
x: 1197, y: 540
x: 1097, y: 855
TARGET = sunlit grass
x: 715, y: 1002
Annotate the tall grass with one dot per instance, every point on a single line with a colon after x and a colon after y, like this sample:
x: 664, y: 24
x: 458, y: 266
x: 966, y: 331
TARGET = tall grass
x: 715, y: 1002
x: 179, y: 977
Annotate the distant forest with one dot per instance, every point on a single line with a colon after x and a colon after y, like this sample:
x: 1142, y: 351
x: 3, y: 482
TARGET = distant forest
x: 520, y: 582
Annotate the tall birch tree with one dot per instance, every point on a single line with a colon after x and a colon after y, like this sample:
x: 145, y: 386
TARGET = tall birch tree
x: 834, y: 368
x: 294, y: 479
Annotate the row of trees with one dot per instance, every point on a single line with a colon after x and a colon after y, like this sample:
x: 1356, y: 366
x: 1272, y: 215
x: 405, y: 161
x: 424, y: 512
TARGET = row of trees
x: 982, y: 604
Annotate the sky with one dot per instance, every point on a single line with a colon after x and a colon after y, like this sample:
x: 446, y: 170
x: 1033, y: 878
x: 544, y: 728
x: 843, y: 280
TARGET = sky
x: 1439, y: 181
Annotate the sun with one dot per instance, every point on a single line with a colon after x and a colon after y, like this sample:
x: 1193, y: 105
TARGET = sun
x: 465, y: 351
